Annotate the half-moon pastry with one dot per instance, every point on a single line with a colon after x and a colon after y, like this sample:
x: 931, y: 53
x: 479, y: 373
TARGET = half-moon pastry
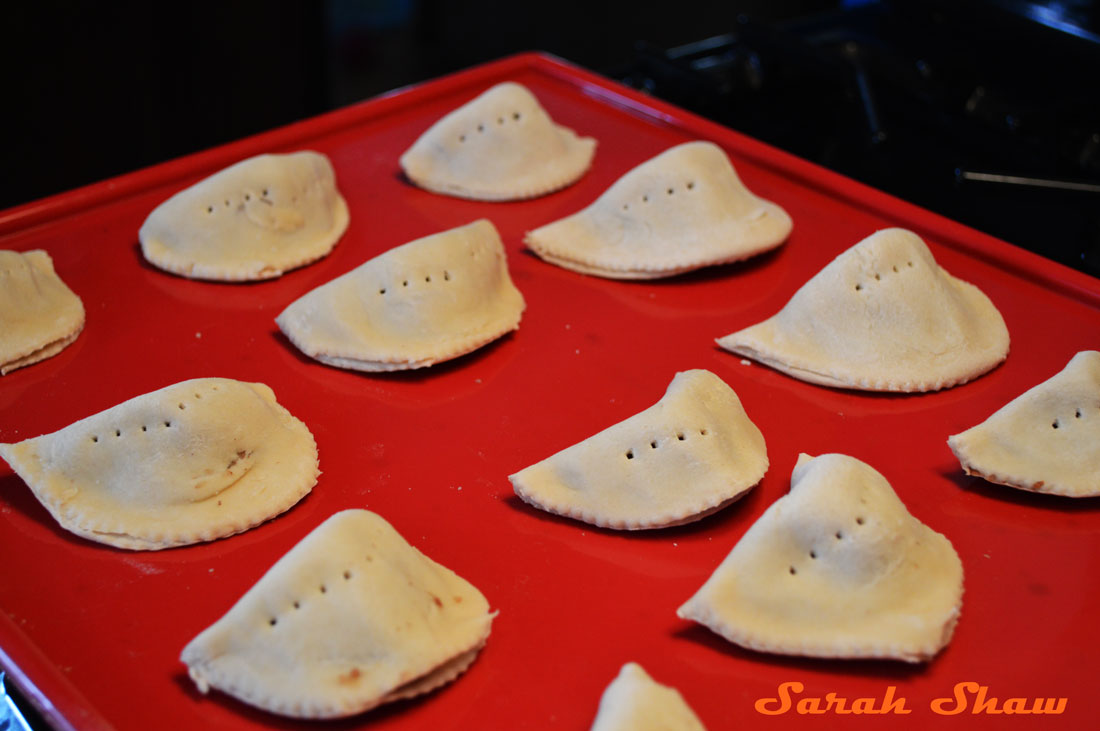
x: 350, y: 618
x: 836, y: 568
x: 690, y: 454
x: 192, y: 462
x: 882, y: 316
x: 636, y: 702
x: 424, y: 302
x: 501, y: 146
x: 39, y: 315
x: 1045, y: 440
x: 682, y: 210
x: 253, y: 220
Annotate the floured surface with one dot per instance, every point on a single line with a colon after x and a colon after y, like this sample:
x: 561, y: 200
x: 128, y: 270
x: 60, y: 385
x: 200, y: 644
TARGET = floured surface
x: 195, y: 461
x: 427, y: 301
x: 1045, y: 440
x: 39, y: 315
x: 351, y: 617
x: 682, y: 210
x: 882, y: 316
x: 691, y: 453
x: 636, y: 702
x: 253, y: 220
x: 500, y: 146
x: 836, y: 568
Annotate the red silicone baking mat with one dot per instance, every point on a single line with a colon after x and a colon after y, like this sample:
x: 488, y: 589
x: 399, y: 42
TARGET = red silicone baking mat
x: 94, y: 633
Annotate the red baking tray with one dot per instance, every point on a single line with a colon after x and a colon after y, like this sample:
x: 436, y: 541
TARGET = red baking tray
x: 93, y: 634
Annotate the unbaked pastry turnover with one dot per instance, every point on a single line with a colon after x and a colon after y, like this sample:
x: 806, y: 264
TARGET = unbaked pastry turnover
x: 682, y: 210
x: 836, y: 568
x: 882, y: 316
x: 1045, y: 440
x: 427, y: 301
x: 501, y: 146
x: 636, y: 702
x: 253, y: 220
x: 39, y: 315
x: 690, y: 454
x: 192, y: 462
x: 350, y: 618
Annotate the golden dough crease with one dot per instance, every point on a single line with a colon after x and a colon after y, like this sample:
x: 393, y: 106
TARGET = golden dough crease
x: 253, y: 220
x: 198, y: 460
x: 836, y: 568
x: 500, y: 146
x: 350, y: 618
x: 682, y: 210
x: 1045, y: 440
x: 882, y: 316
x: 427, y: 301
x: 39, y: 315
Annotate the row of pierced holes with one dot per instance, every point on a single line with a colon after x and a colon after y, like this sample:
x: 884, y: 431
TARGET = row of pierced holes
x: 298, y: 605
x: 681, y: 436
x: 645, y: 198
x: 1057, y: 422
x: 500, y: 120
x: 145, y: 427
x: 247, y: 197
x: 428, y: 278
x: 839, y: 535
x: 878, y: 277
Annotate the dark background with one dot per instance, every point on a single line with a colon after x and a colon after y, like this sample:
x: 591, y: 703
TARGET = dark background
x: 95, y: 89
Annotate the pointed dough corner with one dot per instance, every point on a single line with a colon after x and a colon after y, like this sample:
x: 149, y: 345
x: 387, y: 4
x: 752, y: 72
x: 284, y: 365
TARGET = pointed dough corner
x: 1045, y: 440
x: 837, y: 568
x: 636, y: 702
x: 882, y: 316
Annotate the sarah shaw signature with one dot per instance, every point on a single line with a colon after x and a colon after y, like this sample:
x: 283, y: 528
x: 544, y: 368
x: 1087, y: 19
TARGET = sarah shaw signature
x: 966, y: 696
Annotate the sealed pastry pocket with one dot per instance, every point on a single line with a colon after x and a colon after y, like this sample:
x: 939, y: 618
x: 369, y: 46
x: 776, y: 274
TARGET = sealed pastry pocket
x: 692, y: 453
x: 882, y: 316
x: 682, y: 210
x: 427, y: 301
x: 253, y: 220
x: 350, y: 618
x: 192, y: 462
x: 500, y: 146
x: 1045, y: 440
x: 835, y: 568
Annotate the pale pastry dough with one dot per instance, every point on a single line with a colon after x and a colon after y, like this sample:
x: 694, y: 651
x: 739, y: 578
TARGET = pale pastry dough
x: 1045, y: 440
x: 692, y: 453
x: 682, y: 210
x: 350, y: 618
x: 253, y: 220
x: 427, y: 301
x: 882, y: 316
x: 636, y: 702
x: 500, y: 146
x: 836, y: 568
x: 39, y: 315
x: 195, y: 461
